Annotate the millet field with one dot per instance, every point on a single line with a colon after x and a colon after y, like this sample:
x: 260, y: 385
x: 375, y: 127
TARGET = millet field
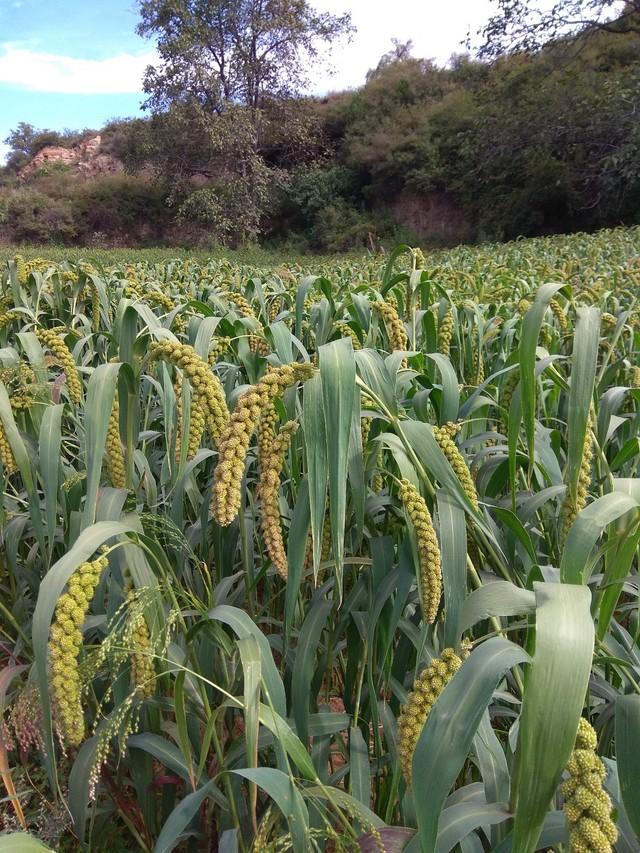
x: 337, y: 554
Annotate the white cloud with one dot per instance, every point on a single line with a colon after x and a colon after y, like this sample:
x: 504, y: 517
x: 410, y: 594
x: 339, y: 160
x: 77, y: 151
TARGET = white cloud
x: 48, y: 72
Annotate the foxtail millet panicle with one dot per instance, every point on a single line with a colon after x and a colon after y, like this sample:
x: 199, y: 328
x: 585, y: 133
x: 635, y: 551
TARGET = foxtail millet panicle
x: 217, y: 347
x: 478, y: 362
x: 457, y: 461
x: 445, y: 332
x: 143, y: 673
x: 50, y: 339
x: 7, y: 458
x: 396, y: 331
x: 22, y: 272
x: 272, y: 449
x: 65, y: 642
x: 426, y: 689
x: 208, y: 393
x: 509, y: 384
x: 574, y: 504
x: 196, y: 422
x: 234, y: 442
x: 587, y: 805
x: 7, y: 317
x: 259, y: 345
x: 241, y: 302
x: 430, y: 569
x: 113, y: 448
x: 345, y: 330
x: 558, y: 312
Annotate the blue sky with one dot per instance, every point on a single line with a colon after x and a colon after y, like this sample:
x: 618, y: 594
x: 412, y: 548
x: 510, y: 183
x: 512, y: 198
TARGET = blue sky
x: 69, y: 64
x: 78, y: 63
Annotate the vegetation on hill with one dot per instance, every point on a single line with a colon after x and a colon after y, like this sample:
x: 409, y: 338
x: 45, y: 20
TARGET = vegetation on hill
x: 533, y: 143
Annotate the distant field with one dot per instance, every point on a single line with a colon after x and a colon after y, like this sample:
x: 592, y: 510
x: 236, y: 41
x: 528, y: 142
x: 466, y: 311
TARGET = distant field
x: 553, y: 254
x: 321, y: 553
x: 254, y: 255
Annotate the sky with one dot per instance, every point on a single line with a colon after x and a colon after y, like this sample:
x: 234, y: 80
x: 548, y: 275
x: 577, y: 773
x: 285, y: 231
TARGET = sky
x: 78, y: 63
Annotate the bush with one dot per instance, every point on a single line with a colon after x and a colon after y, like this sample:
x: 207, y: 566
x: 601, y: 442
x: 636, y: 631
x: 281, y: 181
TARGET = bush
x: 121, y: 205
x: 313, y: 190
x: 340, y: 227
x: 33, y: 217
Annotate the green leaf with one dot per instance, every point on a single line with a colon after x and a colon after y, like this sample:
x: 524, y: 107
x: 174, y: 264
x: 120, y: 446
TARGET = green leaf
x: 453, y: 550
x: 498, y: 598
x: 100, y: 393
x: 346, y: 802
x: 492, y: 762
x: 49, y: 457
x: 554, y: 831
x: 338, y: 375
x: 586, y: 530
x: 285, y: 794
x: 21, y: 842
x: 388, y: 277
x: 458, y: 821
x: 317, y: 461
x: 531, y: 325
x: 357, y: 482
x: 446, y: 739
x: 250, y: 656
x: 552, y: 704
x: 450, y: 387
x: 618, y: 562
x: 359, y: 770
x: 181, y: 725
x: 289, y: 741
x: 24, y: 464
x: 79, y: 785
x: 583, y: 373
x: 305, y: 663
x: 296, y: 550
x: 373, y: 372
x: 627, y: 751
x: 243, y: 626
x: 173, y: 828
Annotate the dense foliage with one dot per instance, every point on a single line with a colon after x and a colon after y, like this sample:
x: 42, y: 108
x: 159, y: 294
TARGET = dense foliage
x: 327, y: 558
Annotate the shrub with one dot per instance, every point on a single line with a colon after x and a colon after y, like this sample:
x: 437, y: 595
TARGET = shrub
x: 120, y: 205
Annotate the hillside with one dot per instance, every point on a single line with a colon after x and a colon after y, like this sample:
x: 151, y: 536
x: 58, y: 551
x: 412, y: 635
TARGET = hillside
x: 527, y: 146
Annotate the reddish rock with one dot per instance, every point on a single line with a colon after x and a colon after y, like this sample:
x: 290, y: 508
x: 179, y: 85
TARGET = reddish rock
x: 85, y: 157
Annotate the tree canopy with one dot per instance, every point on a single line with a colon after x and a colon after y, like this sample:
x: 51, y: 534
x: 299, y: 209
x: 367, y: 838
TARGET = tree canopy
x: 525, y: 26
x: 221, y: 52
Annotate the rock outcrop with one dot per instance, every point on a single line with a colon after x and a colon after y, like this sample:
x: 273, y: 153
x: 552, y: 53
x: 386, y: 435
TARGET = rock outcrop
x: 85, y: 157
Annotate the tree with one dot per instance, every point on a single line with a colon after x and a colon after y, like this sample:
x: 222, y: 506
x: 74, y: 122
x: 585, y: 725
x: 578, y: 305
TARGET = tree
x: 525, y: 26
x: 228, y: 70
x: 25, y: 141
x: 401, y: 52
x: 222, y: 52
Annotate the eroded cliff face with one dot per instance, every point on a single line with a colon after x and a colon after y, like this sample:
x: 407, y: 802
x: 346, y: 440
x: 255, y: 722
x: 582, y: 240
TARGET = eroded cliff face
x: 85, y: 157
